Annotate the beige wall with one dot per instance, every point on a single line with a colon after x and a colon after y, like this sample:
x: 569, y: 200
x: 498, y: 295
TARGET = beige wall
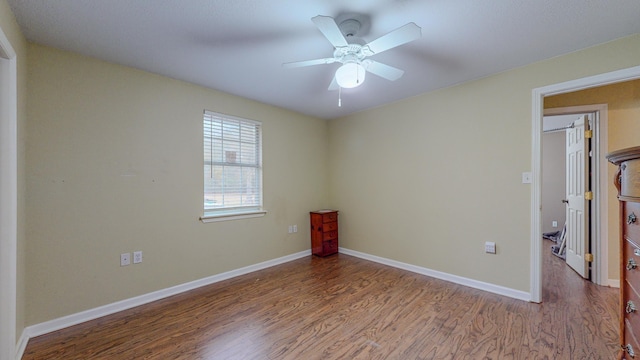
x: 553, y: 180
x: 623, y: 129
x: 428, y: 180
x: 114, y: 164
x: 14, y: 35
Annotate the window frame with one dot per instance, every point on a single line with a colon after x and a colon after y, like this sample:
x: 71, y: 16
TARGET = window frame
x: 231, y: 212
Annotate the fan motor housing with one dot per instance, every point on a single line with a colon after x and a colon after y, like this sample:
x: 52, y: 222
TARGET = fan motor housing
x: 353, y: 52
x: 353, y: 24
x: 350, y: 27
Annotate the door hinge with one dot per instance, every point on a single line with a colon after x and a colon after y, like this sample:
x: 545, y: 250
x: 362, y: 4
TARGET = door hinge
x: 588, y: 257
x: 588, y: 195
x: 588, y: 134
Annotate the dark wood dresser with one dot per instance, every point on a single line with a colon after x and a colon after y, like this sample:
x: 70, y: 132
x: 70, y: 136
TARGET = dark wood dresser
x: 627, y: 181
x: 324, y: 232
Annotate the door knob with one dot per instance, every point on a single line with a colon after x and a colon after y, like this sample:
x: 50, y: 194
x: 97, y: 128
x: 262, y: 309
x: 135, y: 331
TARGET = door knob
x: 631, y: 264
x: 565, y: 201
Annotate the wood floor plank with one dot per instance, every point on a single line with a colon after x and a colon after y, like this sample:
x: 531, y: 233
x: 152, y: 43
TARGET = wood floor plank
x: 341, y: 307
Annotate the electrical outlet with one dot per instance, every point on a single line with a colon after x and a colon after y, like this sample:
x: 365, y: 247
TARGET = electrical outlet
x: 290, y: 229
x: 490, y: 247
x: 125, y: 259
x: 295, y: 228
x: 137, y: 257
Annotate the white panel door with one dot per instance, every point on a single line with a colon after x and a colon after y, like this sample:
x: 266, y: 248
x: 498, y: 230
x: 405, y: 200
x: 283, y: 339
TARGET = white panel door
x: 577, y: 207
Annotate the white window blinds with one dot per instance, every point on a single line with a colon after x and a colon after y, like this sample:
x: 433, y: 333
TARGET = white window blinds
x: 232, y: 164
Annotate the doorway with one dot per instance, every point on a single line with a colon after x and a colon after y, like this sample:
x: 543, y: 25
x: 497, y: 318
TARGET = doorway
x: 554, y: 188
x: 8, y: 197
x: 538, y: 96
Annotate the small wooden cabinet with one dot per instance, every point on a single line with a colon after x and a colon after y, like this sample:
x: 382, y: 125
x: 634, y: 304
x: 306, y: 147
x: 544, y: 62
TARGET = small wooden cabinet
x: 627, y: 181
x: 324, y: 232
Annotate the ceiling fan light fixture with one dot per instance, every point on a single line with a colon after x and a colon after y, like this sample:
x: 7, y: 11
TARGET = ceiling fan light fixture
x: 350, y: 75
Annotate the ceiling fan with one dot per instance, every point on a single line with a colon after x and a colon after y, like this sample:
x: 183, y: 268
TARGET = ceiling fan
x: 353, y: 53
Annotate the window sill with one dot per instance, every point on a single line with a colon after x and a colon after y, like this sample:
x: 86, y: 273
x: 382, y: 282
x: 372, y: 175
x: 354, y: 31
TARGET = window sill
x: 209, y: 218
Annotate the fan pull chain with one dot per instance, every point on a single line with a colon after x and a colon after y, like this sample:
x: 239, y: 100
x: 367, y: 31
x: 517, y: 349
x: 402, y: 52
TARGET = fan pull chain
x: 339, y: 96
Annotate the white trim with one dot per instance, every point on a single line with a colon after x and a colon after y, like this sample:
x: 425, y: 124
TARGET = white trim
x: 614, y: 283
x: 92, y: 314
x: 209, y: 218
x: 21, y: 346
x: 602, y: 198
x: 537, y: 111
x: 8, y: 197
x: 7, y: 49
x: 535, y: 273
x: 496, y: 289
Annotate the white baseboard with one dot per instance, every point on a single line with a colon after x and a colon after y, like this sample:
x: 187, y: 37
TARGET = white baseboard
x: 95, y: 313
x: 21, y: 345
x: 92, y: 314
x: 614, y: 283
x: 496, y: 289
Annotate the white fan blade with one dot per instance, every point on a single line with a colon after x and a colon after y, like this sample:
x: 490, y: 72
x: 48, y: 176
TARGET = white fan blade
x: 334, y: 84
x: 330, y: 30
x: 383, y: 70
x: 309, y: 62
x: 397, y: 37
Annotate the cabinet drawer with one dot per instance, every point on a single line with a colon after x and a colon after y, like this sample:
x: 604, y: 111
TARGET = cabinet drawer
x: 330, y: 235
x: 330, y: 247
x: 633, y: 317
x: 632, y: 275
x: 630, y: 339
x: 329, y: 217
x: 631, y: 230
x: 330, y: 226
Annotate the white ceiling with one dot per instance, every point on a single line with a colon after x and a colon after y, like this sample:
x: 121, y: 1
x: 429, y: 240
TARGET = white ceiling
x: 239, y: 46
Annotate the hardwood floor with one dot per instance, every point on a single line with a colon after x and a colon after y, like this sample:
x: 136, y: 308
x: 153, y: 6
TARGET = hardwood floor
x: 342, y: 307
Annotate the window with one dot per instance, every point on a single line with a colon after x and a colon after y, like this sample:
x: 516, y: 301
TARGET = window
x: 232, y: 167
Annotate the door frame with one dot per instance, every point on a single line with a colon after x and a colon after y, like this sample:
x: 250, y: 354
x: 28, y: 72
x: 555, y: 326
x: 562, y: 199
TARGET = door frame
x: 537, y: 111
x: 8, y: 197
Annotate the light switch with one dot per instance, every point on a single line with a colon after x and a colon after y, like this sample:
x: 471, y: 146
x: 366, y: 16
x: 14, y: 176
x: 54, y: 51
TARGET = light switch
x: 526, y: 178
